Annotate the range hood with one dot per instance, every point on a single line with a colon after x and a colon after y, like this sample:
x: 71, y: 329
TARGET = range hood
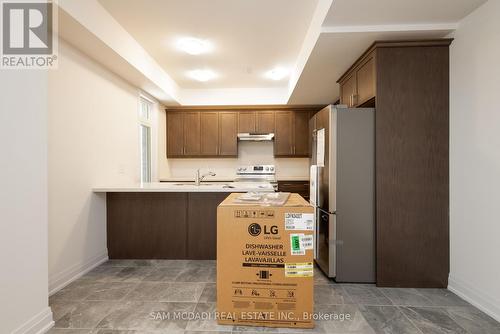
x: 255, y: 136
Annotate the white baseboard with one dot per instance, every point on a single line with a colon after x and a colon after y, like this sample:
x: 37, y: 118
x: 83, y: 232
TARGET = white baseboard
x: 39, y: 324
x: 63, y: 278
x: 478, y: 298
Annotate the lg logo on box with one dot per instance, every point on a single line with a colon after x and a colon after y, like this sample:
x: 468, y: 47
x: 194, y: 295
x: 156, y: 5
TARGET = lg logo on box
x: 255, y: 229
x: 27, y: 34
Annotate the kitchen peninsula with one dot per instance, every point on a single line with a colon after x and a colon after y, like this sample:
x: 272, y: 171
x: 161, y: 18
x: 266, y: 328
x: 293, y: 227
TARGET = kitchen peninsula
x: 166, y: 220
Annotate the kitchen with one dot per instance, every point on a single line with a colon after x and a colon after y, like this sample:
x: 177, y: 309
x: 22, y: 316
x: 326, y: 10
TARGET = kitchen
x: 157, y: 111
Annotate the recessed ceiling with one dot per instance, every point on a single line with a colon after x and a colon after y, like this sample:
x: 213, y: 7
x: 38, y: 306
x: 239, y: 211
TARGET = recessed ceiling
x: 381, y: 12
x: 249, y: 38
x: 333, y: 55
x: 311, y: 41
x: 351, y: 26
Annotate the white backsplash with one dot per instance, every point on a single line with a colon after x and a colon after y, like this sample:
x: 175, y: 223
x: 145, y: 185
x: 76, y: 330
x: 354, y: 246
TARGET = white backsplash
x: 249, y: 153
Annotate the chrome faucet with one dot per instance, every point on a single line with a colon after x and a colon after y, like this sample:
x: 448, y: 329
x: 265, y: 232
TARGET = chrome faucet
x: 199, y: 178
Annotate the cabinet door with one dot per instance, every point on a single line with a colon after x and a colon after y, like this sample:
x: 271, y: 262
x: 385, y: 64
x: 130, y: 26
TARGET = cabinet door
x: 301, y: 133
x: 202, y: 225
x: 299, y: 187
x: 192, y: 133
x: 147, y: 225
x: 209, y: 133
x: 312, y: 128
x: 265, y: 122
x: 321, y: 120
x: 365, y: 82
x: 228, y: 131
x: 283, y: 141
x: 175, y: 134
x: 348, y: 90
x: 247, y: 121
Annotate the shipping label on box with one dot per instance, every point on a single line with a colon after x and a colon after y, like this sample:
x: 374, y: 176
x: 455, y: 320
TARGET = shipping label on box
x: 299, y: 243
x: 299, y: 221
x: 305, y: 269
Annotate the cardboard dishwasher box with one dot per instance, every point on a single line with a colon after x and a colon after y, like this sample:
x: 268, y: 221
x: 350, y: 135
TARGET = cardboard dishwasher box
x: 265, y: 263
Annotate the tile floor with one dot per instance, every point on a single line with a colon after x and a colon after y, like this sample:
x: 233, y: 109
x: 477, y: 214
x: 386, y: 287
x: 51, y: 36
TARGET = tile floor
x: 119, y: 297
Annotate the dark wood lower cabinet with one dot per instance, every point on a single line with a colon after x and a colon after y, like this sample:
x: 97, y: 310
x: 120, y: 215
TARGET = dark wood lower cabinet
x: 162, y: 225
x: 146, y: 225
x: 299, y: 187
x: 202, y: 225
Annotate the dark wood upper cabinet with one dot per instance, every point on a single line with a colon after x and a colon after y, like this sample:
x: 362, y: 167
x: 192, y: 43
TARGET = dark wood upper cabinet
x: 312, y: 127
x: 321, y: 120
x: 228, y: 131
x: 292, y: 134
x: 301, y: 133
x: 247, y: 122
x: 283, y: 140
x: 348, y: 91
x: 175, y: 134
x: 365, y: 79
x: 212, y: 131
x: 265, y: 122
x: 358, y: 86
x: 192, y: 133
x: 209, y: 133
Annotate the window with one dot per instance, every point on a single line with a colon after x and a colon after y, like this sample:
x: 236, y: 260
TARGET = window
x: 145, y: 121
x: 145, y: 110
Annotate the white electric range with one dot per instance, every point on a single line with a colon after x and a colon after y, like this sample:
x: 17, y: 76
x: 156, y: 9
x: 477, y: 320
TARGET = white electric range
x: 262, y: 177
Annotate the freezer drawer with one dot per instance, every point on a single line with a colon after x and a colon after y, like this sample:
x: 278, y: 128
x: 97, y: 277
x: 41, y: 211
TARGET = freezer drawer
x: 325, y: 242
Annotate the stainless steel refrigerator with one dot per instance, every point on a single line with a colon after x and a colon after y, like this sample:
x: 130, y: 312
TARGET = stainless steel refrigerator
x: 343, y: 192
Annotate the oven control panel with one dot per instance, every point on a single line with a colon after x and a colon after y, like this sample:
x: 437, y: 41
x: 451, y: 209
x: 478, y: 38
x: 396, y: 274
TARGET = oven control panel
x: 256, y: 170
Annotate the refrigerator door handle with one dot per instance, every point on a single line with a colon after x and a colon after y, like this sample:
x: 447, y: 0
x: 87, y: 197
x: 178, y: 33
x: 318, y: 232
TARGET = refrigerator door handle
x: 313, y: 185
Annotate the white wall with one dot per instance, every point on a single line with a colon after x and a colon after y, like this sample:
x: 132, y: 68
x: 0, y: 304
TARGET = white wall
x: 248, y: 153
x: 93, y: 141
x: 233, y: 96
x: 23, y: 202
x: 475, y: 159
x: 95, y: 31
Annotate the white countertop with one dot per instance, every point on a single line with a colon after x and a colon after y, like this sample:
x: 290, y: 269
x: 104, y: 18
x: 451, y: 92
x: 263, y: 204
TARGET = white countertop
x: 230, y: 179
x: 191, y: 179
x: 185, y: 187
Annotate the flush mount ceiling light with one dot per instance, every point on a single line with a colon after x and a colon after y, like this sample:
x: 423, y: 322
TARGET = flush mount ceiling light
x: 194, y: 46
x: 277, y: 73
x: 202, y: 75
